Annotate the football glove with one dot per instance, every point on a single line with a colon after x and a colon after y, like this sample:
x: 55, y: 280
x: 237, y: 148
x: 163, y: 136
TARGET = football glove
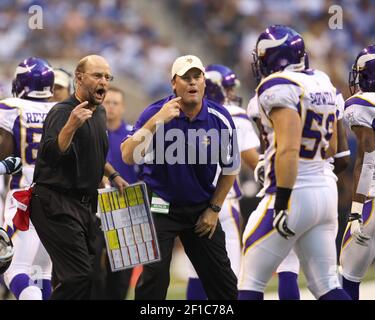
x: 6, y: 251
x: 280, y: 223
x: 356, y: 226
x: 259, y: 170
x: 12, y: 165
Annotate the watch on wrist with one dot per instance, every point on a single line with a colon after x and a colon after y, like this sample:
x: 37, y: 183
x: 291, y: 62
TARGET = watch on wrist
x: 214, y: 207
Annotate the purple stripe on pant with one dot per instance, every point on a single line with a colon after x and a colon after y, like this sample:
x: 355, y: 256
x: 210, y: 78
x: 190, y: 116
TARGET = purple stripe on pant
x: 264, y: 227
x: 272, y: 176
x: 236, y: 217
x: 237, y: 189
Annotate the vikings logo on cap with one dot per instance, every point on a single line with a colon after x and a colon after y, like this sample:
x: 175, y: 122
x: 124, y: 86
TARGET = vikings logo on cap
x: 183, y: 64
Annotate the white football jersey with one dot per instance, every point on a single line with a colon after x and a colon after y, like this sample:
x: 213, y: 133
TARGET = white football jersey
x: 253, y: 108
x: 24, y: 120
x: 312, y: 95
x: 247, y: 139
x: 253, y: 113
x: 340, y: 104
x: 360, y: 111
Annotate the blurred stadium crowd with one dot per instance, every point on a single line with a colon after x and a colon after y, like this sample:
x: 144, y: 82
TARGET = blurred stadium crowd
x: 134, y: 47
x: 232, y: 28
x: 73, y: 29
x: 131, y: 42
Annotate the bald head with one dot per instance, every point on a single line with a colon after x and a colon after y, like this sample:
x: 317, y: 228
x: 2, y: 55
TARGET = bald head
x: 89, y: 61
x: 92, y: 77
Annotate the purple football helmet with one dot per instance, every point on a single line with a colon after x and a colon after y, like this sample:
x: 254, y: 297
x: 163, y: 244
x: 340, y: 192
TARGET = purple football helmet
x: 220, y: 79
x: 278, y: 47
x: 363, y: 71
x: 33, y: 79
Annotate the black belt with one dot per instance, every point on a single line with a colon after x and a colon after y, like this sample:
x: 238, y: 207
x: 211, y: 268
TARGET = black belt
x: 72, y: 193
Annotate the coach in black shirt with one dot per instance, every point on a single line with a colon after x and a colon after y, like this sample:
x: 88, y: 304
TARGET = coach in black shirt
x: 70, y: 165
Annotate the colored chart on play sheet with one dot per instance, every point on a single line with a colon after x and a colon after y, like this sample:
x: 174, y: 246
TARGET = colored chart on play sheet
x: 128, y: 227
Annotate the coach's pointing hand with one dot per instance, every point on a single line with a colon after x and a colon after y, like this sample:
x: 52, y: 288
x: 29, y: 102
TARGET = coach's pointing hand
x: 79, y: 115
x: 77, y: 118
x: 170, y: 110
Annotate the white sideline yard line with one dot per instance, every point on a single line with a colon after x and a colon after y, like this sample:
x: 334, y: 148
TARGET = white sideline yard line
x: 367, y: 292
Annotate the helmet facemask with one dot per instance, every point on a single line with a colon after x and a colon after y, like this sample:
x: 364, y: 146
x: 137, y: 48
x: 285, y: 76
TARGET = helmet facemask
x: 362, y: 74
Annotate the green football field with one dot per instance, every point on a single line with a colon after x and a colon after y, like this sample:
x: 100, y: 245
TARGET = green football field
x: 177, y: 288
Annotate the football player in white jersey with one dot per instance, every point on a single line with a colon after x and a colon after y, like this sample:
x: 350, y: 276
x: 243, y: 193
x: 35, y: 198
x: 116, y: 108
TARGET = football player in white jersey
x: 288, y: 270
x: 63, y: 86
x: 10, y: 165
x: 221, y: 83
x: 299, y: 209
x: 21, y: 122
x: 358, y: 245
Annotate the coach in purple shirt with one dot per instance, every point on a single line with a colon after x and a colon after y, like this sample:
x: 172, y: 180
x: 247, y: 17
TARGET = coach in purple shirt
x: 179, y: 142
x: 117, y: 129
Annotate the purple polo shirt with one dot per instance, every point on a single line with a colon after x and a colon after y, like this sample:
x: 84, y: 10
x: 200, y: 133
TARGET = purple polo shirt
x: 189, y: 180
x: 114, y: 153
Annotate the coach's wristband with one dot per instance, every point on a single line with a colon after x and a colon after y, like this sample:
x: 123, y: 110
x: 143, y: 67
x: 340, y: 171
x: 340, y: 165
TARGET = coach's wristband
x: 282, y: 198
x: 113, y: 175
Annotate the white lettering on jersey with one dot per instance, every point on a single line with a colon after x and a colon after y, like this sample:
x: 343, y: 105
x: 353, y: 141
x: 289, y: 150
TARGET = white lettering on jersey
x: 313, y: 96
x: 24, y: 120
